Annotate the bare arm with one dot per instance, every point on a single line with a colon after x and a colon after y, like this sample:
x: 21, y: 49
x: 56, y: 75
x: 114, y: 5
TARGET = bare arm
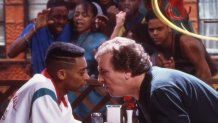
x: 194, y: 51
x: 120, y: 19
x: 22, y: 42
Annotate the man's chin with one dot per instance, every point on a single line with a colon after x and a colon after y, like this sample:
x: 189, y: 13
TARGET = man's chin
x: 114, y: 94
x: 157, y: 43
x: 58, y: 31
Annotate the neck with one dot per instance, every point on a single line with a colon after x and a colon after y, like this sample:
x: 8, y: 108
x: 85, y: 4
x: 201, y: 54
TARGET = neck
x: 137, y: 84
x: 53, y: 32
x: 60, y: 89
x: 56, y: 82
x: 168, y: 42
x: 86, y: 31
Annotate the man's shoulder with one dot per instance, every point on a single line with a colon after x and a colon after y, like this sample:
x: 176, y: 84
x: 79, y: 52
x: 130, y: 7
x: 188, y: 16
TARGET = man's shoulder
x: 164, y: 76
x: 97, y: 37
x: 188, y: 40
x: 188, y: 43
x: 38, y: 81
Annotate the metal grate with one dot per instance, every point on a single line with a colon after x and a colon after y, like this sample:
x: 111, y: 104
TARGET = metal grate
x: 35, y: 6
x: 2, y: 24
x: 208, y: 23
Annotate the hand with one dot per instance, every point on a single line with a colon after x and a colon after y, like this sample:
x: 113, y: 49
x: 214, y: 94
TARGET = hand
x: 111, y: 12
x: 120, y: 18
x: 101, y: 21
x: 42, y: 19
x: 166, y: 63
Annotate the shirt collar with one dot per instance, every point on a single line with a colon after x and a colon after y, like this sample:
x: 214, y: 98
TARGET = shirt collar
x: 59, y: 99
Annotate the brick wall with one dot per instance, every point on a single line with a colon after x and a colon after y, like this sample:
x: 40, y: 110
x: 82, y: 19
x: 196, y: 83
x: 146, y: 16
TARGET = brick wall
x: 14, y: 21
x: 13, y: 69
x: 193, y: 17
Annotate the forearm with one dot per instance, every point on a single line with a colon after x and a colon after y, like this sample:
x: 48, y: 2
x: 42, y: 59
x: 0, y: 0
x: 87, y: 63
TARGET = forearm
x: 116, y: 31
x: 21, y: 43
x: 120, y: 19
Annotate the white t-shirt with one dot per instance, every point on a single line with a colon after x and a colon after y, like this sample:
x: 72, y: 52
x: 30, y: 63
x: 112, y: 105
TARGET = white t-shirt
x: 36, y: 102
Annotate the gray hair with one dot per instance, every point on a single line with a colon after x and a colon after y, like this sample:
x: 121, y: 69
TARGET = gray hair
x: 127, y: 55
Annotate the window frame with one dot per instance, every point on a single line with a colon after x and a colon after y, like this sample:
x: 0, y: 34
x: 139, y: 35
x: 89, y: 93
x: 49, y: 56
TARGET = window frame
x: 204, y: 26
x: 3, y: 42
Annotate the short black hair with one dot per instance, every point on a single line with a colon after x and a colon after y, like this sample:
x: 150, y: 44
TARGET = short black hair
x: 150, y: 15
x: 89, y: 6
x: 62, y: 51
x: 56, y: 3
x: 127, y: 55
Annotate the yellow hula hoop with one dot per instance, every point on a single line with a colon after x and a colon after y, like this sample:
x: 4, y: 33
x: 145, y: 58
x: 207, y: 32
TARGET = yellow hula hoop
x: 158, y: 13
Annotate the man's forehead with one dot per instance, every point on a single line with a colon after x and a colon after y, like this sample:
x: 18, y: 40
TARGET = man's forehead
x: 130, y: 0
x: 155, y: 23
x: 156, y: 20
x: 104, y: 59
x: 59, y: 8
x: 80, y: 62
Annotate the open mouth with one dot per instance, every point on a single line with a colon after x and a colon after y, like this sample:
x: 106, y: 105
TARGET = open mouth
x: 79, y: 24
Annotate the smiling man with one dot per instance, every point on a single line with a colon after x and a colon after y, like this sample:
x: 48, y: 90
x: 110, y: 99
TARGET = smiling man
x: 164, y: 95
x: 43, y: 98
x: 50, y: 25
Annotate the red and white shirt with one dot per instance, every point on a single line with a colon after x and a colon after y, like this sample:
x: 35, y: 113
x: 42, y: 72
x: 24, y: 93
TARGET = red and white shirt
x: 37, y: 101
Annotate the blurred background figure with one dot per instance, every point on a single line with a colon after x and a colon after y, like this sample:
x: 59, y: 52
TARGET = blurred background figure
x: 86, y: 36
x: 49, y: 26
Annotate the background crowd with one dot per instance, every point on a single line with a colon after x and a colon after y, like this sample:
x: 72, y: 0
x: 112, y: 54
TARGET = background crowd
x: 89, y: 23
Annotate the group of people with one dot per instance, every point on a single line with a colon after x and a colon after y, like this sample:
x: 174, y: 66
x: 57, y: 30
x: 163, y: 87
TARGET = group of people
x: 154, y: 64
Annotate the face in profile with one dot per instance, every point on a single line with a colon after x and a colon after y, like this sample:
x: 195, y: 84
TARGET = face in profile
x: 59, y: 16
x: 129, y: 6
x: 113, y: 80
x: 83, y: 20
x: 76, y: 76
x: 158, y: 31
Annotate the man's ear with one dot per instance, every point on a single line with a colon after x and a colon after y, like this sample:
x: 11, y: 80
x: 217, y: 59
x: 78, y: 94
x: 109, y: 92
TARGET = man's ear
x: 61, y: 74
x: 127, y: 75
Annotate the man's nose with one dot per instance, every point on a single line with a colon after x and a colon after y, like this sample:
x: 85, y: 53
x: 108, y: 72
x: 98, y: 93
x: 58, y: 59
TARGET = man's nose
x: 86, y: 77
x: 100, y: 78
x: 79, y: 16
x: 155, y: 32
